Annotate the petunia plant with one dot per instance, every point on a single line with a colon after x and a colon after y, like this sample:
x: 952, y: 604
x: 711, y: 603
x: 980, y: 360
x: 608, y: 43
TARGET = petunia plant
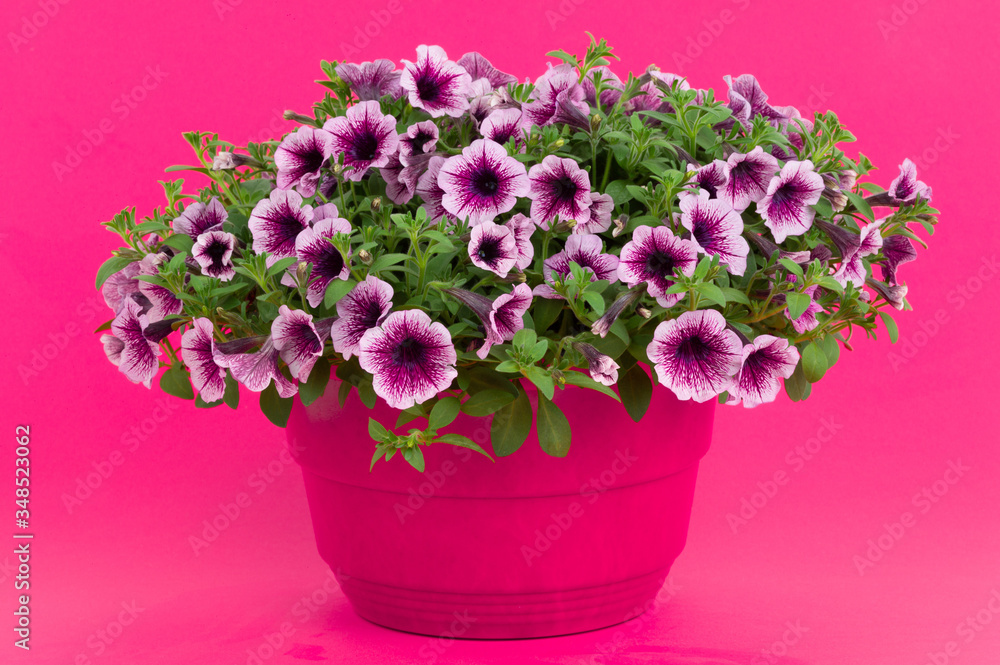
x: 447, y: 239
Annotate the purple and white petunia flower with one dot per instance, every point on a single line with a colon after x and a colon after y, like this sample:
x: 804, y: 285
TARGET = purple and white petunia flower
x: 905, y: 187
x: 297, y: 341
x: 113, y: 348
x: 894, y: 295
x: 747, y: 100
x: 586, y: 252
x: 411, y: 358
x: 502, y: 125
x: 602, y: 368
x: 712, y: 178
x: 522, y: 227
x: 480, y: 99
x: 400, y: 180
x: 494, y: 247
x: 482, y: 182
x: 198, y: 353
x: 501, y: 318
x: 300, y: 157
x: 120, y: 286
x: 807, y: 320
x: 542, y: 108
x: 138, y: 359
x: 257, y: 369
x: 420, y: 138
x: 652, y: 256
x: 480, y: 68
x: 601, y: 207
x: 436, y: 84
x: 430, y: 191
x: 716, y: 229
x: 749, y: 176
x: 370, y: 81
x: 313, y: 245
x: 571, y: 109
x: 365, y: 136
x: 765, y: 360
x: 896, y: 250
x: 214, y: 253
x: 786, y: 206
x: 275, y: 223
x: 198, y: 218
x: 559, y: 187
x: 364, y: 308
x: 695, y: 355
x: 852, y: 268
x: 164, y: 302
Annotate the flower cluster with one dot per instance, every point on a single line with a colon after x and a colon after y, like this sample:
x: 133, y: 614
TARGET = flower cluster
x: 442, y: 237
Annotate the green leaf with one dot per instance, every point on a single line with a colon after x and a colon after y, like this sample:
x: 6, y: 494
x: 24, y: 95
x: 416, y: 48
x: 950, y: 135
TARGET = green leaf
x: 104, y: 326
x: 336, y: 290
x: 553, y: 428
x: 464, y: 442
x: 377, y: 431
x: 386, y: 260
x: 180, y: 241
x: 202, y: 404
x: 175, y: 381
x: 109, y: 268
x: 797, y: 303
x: 542, y: 379
x: 823, y: 208
x: 511, y: 425
x: 797, y: 386
x: 544, y: 312
x: 712, y: 292
x: 487, y: 402
x: 524, y: 338
x: 582, y: 380
x: 636, y: 391
x: 366, y: 391
x: 443, y: 413
x: 829, y: 283
x: 319, y: 377
x: 831, y: 349
x: 791, y: 266
x: 281, y: 266
x: 232, y: 394
x: 415, y: 457
x: 890, y: 325
x: 538, y: 351
x: 617, y: 190
x: 483, y: 378
x: 861, y: 205
x: 735, y: 295
x: 276, y: 408
x: 814, y: 362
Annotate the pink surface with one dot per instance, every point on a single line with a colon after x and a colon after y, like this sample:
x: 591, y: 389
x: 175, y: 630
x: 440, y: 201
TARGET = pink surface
x: 862, y: 473
x: 526, y: 545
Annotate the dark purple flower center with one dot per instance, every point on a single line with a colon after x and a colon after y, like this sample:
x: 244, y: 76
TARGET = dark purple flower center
x: 419, y: 141
x: 427, y: 87
x: 409, y: 353
x: 501, y: 136
x: 489, y: 249
x: 364, y: 148
x: 215, y: 251
x: 694, y: 350
x: 372, y: 314
x: 485, y: 182
x: 564, y: 188
x: 710, y: 188
x: 330, y: 264
x: 660, y: 263
x: 702, y: 235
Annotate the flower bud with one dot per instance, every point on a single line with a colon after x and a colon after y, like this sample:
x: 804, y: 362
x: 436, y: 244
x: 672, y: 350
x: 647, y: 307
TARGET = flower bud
x: 299, y: 118
x: 644, y: 312
x: 225, y: 161
x: 376, y: 204
x: 366, y: 257
x: 559, y: 143
x: 595, y: 122
x: 619, y: 223
x: 302, y: 273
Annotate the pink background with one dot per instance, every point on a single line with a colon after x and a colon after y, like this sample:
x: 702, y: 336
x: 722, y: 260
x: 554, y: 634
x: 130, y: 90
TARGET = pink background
x: 913, y: 78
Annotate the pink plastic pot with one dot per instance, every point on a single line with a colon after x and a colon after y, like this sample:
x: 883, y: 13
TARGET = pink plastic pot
x: 526, y: 546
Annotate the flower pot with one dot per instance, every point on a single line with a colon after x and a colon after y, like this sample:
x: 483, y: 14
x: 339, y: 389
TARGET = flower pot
x: 526, y: 546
